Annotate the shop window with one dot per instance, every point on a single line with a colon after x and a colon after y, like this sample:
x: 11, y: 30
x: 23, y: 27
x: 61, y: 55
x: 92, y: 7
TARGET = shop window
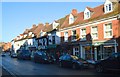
x: 76, y: 51
x: 108, y: 50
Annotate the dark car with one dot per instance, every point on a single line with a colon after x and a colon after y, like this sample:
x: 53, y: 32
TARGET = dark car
x: 42, y: 57
x: 24, y: 54
x: 72, y: 61
x: 110, y: 63
x: 3, y: 54
x: 13, y: 55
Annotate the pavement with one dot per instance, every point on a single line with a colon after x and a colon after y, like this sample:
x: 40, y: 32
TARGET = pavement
x: 4, y: 72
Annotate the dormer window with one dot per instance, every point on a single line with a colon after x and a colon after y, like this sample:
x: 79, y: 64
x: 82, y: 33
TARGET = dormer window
x: 25, y: 35
x: 30, y: 33
x: 108, y: 6
x: 71, y: 19
x: 55, y: 24
x: 86, y: 14
x: 41, y: 33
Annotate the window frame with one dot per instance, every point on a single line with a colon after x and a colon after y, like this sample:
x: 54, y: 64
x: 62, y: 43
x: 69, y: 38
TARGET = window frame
x: 92, y: 32
x: 66, y: 36
x: 108, y: 8
x: 81, y: 34
x: 105, y: 36
x: 73, y: 38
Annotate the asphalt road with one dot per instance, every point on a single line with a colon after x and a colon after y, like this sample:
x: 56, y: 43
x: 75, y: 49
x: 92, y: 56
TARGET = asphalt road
x: 27, y: 67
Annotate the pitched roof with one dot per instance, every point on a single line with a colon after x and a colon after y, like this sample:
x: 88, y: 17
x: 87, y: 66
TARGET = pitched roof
x: 90, y: 9
x: 97, y: 13
x: 48, y: 27
x: 38, y: 29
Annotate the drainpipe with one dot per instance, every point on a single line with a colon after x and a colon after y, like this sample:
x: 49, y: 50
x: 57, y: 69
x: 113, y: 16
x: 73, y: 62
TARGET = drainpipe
x: 115, y: 46
x: 95, y: 50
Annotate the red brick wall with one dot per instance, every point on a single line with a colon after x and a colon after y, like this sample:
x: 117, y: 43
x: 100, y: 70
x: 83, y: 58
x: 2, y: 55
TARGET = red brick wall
x: 88, y: 33
x: 100, y: 31
x: 62, y: 37
x: 69, y: 35
x: 115, y: 27
x: 78, y: 33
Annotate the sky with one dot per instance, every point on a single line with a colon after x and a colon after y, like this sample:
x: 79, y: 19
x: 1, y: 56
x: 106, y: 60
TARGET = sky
x: 18, y: 16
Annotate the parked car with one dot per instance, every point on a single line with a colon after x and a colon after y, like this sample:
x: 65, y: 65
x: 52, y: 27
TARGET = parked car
x: 72, y: 61
x: 13, y: 55
x: 110, y: 63
x: 24, y: 54
x: 42, y: 57
x: 3, y: 54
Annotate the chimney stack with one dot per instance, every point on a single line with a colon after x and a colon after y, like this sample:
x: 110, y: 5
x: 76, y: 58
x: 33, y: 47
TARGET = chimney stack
x: 74, y: 12
x: 34, y: 25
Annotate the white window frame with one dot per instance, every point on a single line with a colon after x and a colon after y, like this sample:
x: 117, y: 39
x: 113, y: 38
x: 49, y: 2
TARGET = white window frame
x: 107, y: 30
x: 81, y: 34
x: 107, y: 9
x: 72, y: 35
x: 66, y: 37
x: 92, y: 32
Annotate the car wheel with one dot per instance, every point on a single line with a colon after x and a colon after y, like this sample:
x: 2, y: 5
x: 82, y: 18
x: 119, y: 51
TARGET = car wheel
x: 99, y: 68
x: 74, y: 66
x: 60, y: 64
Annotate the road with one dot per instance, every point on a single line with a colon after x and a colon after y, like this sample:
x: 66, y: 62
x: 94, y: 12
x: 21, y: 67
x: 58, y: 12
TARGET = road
x: 27, y: 67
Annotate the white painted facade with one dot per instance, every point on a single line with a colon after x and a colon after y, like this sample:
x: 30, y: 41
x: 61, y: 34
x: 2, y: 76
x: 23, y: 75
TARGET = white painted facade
x: 18, y: 44
x: 56, y: 35
x: 55, y: 24
x: 87, y: 14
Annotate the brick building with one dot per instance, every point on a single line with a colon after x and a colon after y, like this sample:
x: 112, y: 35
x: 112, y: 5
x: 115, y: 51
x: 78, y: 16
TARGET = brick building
x: 93, y: 33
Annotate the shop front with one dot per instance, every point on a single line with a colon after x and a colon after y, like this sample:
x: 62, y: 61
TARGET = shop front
x: 97, y: 50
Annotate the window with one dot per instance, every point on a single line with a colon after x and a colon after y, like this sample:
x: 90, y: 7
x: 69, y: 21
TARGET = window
x: 53, y: 39
x: 83, y: 34
x: 41, y: 33
x: 88, y: 15
x: 66, y: 36
x: 30, y: 33
x: 74, y: 35
x: 71, y: 19
x: 94, y: 32
x: 108, y: 30
x: 108, y: 8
